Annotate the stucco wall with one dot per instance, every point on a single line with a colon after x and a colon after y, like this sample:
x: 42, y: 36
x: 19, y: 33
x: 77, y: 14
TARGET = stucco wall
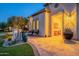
x: 78, y: 21
x: 67, y: 8
x: 41, y: 18
x: 70, y: 20
x: 34, y: 19
x: 69, y: 12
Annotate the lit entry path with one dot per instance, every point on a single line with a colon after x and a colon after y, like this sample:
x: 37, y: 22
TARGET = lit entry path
x: 54, y: 46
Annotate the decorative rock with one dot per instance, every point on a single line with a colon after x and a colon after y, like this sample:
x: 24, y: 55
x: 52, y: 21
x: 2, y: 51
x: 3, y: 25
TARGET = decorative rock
x: 17, y: 35
x: 6, y: 43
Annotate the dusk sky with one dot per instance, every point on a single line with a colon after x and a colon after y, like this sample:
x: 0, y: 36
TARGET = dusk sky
x: 18, y: 9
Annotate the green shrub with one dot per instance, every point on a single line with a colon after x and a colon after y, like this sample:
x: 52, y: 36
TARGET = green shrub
x: 1, y: 42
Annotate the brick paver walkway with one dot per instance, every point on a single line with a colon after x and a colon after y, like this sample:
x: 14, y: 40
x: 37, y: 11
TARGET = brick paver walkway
x: 55, y: 46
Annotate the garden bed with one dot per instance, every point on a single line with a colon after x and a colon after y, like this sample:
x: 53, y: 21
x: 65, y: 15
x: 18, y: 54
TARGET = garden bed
x: 18, y: 50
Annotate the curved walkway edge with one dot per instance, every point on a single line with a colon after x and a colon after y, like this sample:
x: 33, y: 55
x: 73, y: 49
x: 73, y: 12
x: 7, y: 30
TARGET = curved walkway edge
x: 36, y: 53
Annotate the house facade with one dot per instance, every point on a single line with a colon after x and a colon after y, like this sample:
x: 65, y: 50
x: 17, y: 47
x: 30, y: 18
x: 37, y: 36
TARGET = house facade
x: 55, y: 18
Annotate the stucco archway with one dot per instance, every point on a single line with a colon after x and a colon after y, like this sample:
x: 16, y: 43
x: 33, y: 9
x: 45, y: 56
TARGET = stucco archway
x: 57, y: 25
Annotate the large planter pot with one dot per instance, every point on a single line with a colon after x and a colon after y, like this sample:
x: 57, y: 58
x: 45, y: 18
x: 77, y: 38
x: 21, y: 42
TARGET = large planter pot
x: 68, y: 35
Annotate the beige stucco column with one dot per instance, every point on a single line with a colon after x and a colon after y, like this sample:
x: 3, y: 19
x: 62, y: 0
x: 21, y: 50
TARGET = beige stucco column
x: 37, y: 24
x: 46, y: 33
x: 33, y: 25
x: 30, y: 23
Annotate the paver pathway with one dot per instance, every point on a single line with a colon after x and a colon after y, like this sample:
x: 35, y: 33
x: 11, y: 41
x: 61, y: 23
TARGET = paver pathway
x: 55, y: 46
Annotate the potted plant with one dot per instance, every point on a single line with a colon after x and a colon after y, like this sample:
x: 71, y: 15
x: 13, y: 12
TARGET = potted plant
x: 37, y: 32
x: 68, y: 34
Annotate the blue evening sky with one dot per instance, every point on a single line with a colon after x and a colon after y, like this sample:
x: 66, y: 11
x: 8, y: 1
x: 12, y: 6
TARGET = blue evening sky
x: 18, y: 9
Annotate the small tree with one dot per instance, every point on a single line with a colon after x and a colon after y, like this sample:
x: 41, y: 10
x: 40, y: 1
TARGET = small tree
x: 3, y: 25
x: 16, y: 21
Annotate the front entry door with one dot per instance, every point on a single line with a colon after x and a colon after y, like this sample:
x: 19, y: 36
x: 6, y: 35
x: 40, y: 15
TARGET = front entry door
x: 57, y: 24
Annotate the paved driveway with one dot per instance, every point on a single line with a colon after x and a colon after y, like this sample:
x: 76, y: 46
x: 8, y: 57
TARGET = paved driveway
x: 55, y: 46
